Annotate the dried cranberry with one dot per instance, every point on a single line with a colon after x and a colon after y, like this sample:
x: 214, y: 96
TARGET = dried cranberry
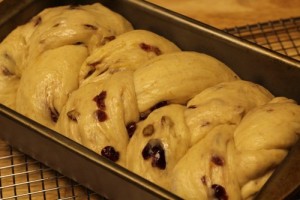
x: 217, y: 160
x: 72, y: 7
x: 101, y: 115
x: 107, y: 39
x: 144, y: 115
x: 219, y: 192
x: 8, y: 57
x: 89, y: 26
x: 94, y: 64
x: 159, y: 105
x: 53, y: 114
x: 73, y: 115
x: 110, y: 38
x: 154, y: 149
x: 203, y: 180
x: 78, y: 43
x: 205, y: 124
x: 148, y: 130
x: 148, y: 150
x: 92, y: 70
x: 6, y: 72
x: 37, y: 21
x: 159, y: 159
x: 99, y: 99
x: 131, y: 127
x: 150, y: 48
x: 166, y: 121
x: 110, y: 153
x: 56, y: 25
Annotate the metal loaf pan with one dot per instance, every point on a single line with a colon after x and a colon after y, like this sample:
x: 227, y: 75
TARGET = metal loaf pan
x: 276, y: 72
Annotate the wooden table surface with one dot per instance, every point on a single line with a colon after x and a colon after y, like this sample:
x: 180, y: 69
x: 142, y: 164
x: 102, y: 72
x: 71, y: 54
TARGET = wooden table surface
x: 231, y: 13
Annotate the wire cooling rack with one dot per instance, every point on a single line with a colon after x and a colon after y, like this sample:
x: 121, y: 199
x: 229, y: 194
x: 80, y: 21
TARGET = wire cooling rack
x: 23, y: 178
x: 282, y: 36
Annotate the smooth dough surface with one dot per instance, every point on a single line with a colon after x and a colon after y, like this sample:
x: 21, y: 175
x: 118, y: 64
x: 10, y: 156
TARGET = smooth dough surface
x: 13, y: 50
x: 82, y: 121
x: 40, y: 60
x: 181, y: 119
x: 224, y: 103
x: 45, y: 86
x: 262, y: 140
x: 177, y: 77
x: 164, y: 128
x: 90, y: 25
x: 129, y: 50
x: 206, y: 166
x: 238, y: 159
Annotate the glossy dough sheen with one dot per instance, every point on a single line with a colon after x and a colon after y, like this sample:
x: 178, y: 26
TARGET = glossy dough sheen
x: 12, y: 55
x: 246, y: 154
x: 47, y: 82
x: 178, y: 77
x: 180, y: 119
x: 127, y: 51
x: 168, y: 125
x: 117, y: 106
x: 44, y: 57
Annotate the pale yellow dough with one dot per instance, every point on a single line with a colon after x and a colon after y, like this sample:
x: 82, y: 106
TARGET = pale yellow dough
x: 177, y: 77
x: 119, y: 58
x: 224, y: 103
x: 119, y: 109
x: 89, y: 25
x: 40, y: 60
x: 194, y: 174
x: 13, y: 51
x: 166, y: 125
x: 247, y: 153
x: 262, y: 140
x: 220, y: 107
x: 128, y: 51
x: 181, y: 119
x: 46, y: 84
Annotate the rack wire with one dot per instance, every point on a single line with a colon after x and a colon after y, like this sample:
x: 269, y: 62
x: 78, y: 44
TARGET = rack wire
x: 282, y: 35
x: 23, y: 178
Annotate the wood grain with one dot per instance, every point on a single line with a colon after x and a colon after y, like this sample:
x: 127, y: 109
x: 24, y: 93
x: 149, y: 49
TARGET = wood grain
x: 231, y: 13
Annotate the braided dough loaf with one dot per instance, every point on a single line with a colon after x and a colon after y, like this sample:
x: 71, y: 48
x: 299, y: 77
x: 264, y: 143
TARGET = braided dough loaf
x: 234, y: 161
x: 180, y: 119
x: 42, y: 58
x: 13, y: 50
x: 127, y: 52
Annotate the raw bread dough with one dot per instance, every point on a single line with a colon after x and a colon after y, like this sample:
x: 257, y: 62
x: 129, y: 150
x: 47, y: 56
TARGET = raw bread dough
x: 180, y: 119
